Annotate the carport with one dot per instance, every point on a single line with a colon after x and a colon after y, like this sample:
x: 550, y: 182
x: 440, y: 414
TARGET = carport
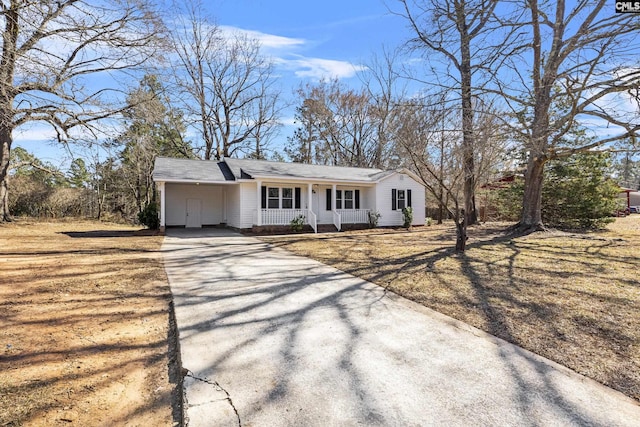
x: 195, y: 205
x: 193, y: 196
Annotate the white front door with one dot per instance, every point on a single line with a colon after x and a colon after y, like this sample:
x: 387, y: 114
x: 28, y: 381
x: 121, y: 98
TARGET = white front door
x: 194, y: 213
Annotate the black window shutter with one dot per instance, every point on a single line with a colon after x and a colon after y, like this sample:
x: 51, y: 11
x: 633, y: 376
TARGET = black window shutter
x: 409, y: 198
x: 297, y: 196
x: 394, y: 200
x: 357, y: 201
x: 264, y: 197
x: 328, y: 199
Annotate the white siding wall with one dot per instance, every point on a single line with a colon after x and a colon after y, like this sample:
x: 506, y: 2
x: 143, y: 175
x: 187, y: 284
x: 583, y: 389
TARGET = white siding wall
x: 390, y: 217
x: 248, y: 203
x: 233, y: 206
x: 212, y: 198
x: 368, y: 198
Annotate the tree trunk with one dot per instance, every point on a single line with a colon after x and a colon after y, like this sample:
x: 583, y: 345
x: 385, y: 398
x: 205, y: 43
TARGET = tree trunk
x: 468, y: 137
x: 532, y: 200
x: 5, y: 151
x: 461, y: 232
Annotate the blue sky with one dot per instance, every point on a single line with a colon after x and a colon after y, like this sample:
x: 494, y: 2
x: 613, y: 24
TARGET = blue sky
x: 306, y: 40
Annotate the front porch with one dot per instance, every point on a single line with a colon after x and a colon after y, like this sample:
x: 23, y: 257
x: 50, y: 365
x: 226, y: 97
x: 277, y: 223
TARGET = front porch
x: 283, y: 217
x: 317, y: 204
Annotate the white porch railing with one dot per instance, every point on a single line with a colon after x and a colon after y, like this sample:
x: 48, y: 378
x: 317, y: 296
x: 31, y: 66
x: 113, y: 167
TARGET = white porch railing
x: 337, y: 221
x: 282, y: 216
x: 312, y: 221
x: 354, y: 216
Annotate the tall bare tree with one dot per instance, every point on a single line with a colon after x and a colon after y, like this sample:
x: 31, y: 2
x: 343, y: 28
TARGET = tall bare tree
x: 577, y: 63
x: 226, y: 84
x: 337, y: 126
x: 453, y: 30
x: 51, y: 50
x: 431, y: 146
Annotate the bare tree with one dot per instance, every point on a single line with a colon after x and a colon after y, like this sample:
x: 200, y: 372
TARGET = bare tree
x: 431, y: 145
x: 452, y: 30
x: 226, y: 85
x: 49, y: 51
x: 574, y: 64
x: 338, y: 125
x: 386, y: 89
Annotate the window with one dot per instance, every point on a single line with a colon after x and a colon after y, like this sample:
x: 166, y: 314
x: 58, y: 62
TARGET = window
x: 274, y: 198
x: 348, y: 199
x: 345, y: 199
x: 400, y: 199
x: 281, y: 198
x: 287, y: 198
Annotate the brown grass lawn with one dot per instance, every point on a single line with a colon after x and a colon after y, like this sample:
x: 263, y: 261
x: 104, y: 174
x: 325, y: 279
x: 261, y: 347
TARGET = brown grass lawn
x: 84, y: 309
x: 571, y: 297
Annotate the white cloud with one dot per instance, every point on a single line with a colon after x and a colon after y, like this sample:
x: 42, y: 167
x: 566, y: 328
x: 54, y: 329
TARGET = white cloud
x: 267, y: 41
x: 283, y: 52
x: 34, y: 133
x: 319, y: 68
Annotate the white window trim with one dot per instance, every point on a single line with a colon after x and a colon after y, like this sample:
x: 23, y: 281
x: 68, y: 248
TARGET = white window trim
x: 281, y: 197
x: 404, y: 199
x: 342, y: 198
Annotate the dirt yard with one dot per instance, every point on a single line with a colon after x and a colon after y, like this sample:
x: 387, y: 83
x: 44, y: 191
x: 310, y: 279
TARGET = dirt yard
x: 85, y: 334
x: 571, y: 297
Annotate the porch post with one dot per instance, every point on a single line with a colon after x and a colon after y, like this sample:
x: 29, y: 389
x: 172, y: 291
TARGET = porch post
x: 259, y: 203
x: 333, y: 197
x: 161, y: 188
x: 309, y: 191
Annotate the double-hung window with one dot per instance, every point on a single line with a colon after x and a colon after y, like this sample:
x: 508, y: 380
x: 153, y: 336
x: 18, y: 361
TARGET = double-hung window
x: 400, y: 199
x: 348, y: 199
x: 345, y: 199
x: 274, y: 198
x: 281, y: 197
x: 287, y: 198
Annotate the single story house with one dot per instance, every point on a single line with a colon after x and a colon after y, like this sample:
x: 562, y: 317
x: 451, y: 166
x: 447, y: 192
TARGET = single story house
x: 245, y: 193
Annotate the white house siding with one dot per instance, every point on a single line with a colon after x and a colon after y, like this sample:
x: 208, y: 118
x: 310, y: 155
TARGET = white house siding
x: 233, y: 206
x: 211, y: 197
x: 248, y: 203
x: 390, y: 217
x: 368, y: 198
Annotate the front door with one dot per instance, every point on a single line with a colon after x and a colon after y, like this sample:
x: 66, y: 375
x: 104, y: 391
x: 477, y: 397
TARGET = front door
x: 194, y: 213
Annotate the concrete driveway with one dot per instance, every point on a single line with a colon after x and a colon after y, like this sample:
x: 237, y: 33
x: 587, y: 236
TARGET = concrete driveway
x: 273, y: 339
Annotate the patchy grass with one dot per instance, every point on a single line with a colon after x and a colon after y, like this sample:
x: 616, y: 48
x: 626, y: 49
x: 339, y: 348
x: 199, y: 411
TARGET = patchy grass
x: 571, y: 297
x: 85, y: 326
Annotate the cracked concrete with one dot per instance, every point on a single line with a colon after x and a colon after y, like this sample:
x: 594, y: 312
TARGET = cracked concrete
x: 298, y: 343
x: 205, y: 393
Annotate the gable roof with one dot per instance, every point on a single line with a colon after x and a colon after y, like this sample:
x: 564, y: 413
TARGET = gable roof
x: 231, y: 170
x: 252, y: 169
x: 187, y: 170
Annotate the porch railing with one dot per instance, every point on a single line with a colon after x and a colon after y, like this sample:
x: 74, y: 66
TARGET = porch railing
x: 312, y: 221
x: 337, y: 220
x: 354, y: 216
x: 282, y: 216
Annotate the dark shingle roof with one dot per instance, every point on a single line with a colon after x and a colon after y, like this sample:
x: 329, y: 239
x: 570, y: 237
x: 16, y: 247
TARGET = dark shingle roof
x: 169, y: 169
